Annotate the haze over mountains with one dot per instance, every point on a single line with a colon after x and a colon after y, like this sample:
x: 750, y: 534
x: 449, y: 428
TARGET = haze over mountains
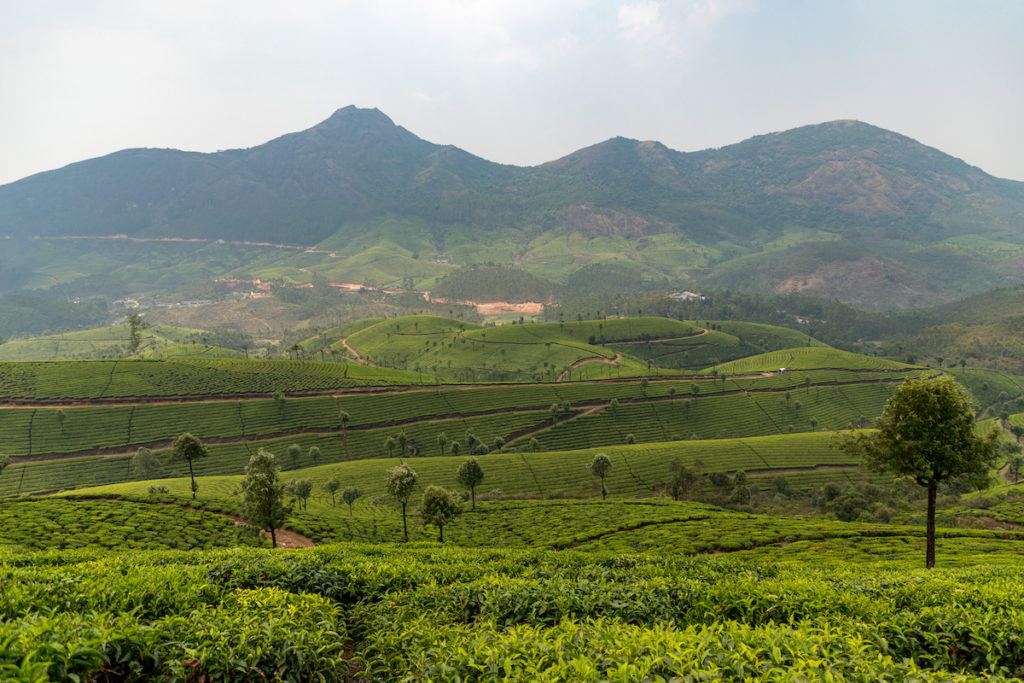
x: 840, y: 209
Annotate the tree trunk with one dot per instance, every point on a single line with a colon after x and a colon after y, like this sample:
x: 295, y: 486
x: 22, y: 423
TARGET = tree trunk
x: 929, y: 558
x: 440, y: 533
x: 405, y: 526
x: 604, y: 491
x: 273, y: 537
x: 472, y: 495
x: 192, y: 476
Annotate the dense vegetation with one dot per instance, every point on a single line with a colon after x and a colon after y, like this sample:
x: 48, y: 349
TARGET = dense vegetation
x: 437, y: 614
x: 578, y: 517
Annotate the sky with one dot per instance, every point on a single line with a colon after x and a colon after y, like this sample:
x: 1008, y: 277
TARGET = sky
x: 517, y: 81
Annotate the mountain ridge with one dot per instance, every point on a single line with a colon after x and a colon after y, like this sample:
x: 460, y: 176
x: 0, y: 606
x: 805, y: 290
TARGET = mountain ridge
x: 342, y: 177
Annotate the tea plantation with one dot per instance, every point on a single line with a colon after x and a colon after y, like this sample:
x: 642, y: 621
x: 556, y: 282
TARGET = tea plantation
x: 370, y: 612
x: 737, y: 541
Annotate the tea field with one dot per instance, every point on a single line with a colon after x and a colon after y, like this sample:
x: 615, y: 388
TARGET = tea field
x: 378, y: 612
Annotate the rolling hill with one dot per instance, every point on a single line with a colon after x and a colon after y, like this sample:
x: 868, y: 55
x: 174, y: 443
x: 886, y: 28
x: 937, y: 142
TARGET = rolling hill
x: 820, y: 209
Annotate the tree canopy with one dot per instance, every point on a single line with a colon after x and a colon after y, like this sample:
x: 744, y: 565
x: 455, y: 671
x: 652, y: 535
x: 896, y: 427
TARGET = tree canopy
x: 927, y: 432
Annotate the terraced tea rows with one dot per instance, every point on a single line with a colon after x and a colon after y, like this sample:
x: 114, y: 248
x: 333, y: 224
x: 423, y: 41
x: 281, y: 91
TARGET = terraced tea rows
x: 805, y: 358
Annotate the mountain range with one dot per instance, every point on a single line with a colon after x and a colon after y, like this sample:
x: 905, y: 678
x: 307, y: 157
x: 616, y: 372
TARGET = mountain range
x: 840, y: 209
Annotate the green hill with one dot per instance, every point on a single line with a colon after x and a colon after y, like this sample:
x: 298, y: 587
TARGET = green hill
x: 158, y: 341
x: 830, y: 209
x: 808, y: 358
x: 459, y: 351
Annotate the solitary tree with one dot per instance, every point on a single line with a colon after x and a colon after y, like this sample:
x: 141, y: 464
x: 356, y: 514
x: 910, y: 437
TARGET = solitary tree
x: 294, y: 453
x: 332, y: 487
x: 470, y: 475
x: 440, y: 506
x: 683, y: 480
x: 314, y: 454
x: 442, y: 442
x: 187, y: 448
x: 263, y: 493
x: 350, y: 495
x: 600, y: 466
x: 456, y: 448
x: 390, y: 444
x: 145, y: 465
x: 400, y: 482
x: 343, y: 419
x: 741, y: 489
x: 135, y: 328
x: 926, y: 432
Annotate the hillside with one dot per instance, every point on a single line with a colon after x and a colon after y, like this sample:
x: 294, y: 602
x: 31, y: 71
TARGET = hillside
x: 842, y: 203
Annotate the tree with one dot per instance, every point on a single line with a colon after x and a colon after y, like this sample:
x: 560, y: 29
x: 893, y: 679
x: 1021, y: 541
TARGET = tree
x: 683, y: 480
x: 534, y: 445
x: 390, y: 444
x: 440, y: 506
x: 343, y: 419
x: 294, y: 453
x: 135, y: 328
x: 302, y: 489
x: 741, y: 489
x: 400, y: 482
x: 470, y: 475
x: 61, y: 417
x: 187, y: 448
x: 1015, y: 465
x: 263, y: 493
x: 600, y: 466
x: 926, y: 432
x: 350, y: 495
x: 456, y: 448
x: 630, y: 439
x: 332, y: 487
x: 145, y: 464
x: 314, y: 454
x: 442, y: 442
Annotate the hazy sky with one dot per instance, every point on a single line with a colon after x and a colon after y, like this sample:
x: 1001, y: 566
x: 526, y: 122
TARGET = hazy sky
x: 518, y: 81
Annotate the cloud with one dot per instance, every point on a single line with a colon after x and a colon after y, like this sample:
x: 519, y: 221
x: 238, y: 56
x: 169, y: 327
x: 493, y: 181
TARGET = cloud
x: 670, y: 27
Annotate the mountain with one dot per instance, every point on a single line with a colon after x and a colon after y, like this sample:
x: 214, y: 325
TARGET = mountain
x: 821, y: 209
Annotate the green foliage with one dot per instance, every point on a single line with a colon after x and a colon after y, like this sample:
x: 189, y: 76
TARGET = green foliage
x: 263, y: 493
x: 399, y: 482
x: 350, y: 495
x: 187, y: 448
x: 493, y: 283
x: 331, y: 486
x: 145, y: 464
x: 600, y: 467
x: 41, y: 524
x: 439, y: 507
x: 183, y: 377
x: 927, y: 432
x: 470, y: 475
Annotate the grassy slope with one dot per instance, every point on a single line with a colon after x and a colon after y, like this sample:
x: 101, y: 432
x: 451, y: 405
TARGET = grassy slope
x: 749, y: 407
x: 532, y: 352
x: 805, y: 358
x: 112, y: 342
x: 92, y: 380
